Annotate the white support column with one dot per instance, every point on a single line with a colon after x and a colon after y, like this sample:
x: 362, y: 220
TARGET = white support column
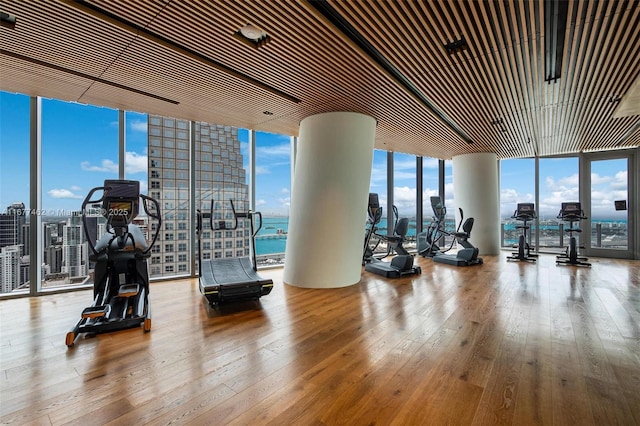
x: 476, y: 188
x: 329, y: 200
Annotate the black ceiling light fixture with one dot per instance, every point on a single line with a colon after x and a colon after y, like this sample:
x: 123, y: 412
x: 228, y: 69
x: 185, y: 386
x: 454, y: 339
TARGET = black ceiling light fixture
x: 455, y: 45
x: 8, y: 20
x: 252, y: 35
x: 614, y: 99
x: 500, y: 123
x: 555, y: 24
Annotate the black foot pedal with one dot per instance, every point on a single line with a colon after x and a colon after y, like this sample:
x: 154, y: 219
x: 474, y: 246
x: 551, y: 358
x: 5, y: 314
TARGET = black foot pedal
x: 129, y: 290
x: 96, y: 311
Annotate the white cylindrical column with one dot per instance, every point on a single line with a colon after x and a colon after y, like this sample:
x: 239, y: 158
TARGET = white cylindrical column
x: 329, y: 199
x: 476, y: 191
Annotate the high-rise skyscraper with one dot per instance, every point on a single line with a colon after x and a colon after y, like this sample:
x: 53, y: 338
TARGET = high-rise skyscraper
x: 11, y: 225
x: 75, y: 262
x: 220, y: 176
x: 9, y: 268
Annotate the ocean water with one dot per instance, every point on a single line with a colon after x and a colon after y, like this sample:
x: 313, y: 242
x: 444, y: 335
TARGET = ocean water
x: 269, y: 241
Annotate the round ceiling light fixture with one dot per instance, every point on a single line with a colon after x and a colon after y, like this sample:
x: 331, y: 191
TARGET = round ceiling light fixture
x: 252, y: 32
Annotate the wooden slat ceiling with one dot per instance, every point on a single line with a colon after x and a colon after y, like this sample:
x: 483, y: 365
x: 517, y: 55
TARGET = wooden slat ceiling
x: 180, y: 59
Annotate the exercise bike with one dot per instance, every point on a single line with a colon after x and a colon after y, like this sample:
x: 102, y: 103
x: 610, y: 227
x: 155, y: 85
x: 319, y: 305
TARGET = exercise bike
x: 402, y: 263
x: 428, y: 240
x: 571, y: 212
x: 121, y: 278
x: 525, y: 212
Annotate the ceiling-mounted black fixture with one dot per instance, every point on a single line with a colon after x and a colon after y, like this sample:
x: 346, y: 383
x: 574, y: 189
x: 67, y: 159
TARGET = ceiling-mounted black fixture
x: 500, y: 123
x: 8, y: 20
x: 456, y: 45
x: 252, y: 35
x: 555, y: 24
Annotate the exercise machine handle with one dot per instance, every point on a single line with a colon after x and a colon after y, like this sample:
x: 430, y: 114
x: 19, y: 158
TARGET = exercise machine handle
x: 156, y: 215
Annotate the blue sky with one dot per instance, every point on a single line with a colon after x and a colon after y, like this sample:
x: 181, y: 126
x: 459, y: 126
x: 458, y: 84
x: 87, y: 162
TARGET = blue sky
x: 80, y: 151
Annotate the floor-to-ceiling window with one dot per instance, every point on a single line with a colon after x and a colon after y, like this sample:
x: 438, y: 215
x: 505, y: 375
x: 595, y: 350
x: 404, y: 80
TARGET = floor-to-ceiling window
x: 14, y: 192
x: 79, y: 152
x: 558, y: 183
x: 404, y: 193
x: 517, y: 185
x: 378, y: 186
x: 272, y: 195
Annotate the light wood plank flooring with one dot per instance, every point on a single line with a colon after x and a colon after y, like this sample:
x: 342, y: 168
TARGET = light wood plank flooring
x: 500, y: 343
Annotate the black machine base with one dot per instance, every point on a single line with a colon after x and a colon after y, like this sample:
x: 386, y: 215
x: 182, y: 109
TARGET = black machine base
x: 232, y: 280
x: 460, y: 258
x: 95, y: 320
x: 399, y: 266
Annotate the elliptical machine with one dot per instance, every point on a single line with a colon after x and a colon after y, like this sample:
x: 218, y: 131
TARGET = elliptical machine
x: 428, y: 241
x: 121, y: 278
x: 402, y: 263
x: 571, y: 212
x: 524, y: 212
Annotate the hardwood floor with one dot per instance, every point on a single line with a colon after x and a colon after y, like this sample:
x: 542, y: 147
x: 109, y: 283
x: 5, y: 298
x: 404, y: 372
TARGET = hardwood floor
x: 501, y: 343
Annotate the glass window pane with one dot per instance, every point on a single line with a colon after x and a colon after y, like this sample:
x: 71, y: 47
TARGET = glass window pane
x: 517, y: 185
x: 404, y: 193
x: 558, y: 184
x: 378, y: 185
x: 79, y: 151
x: 273, y: 195
x: 609, y: 204
x: 14, y: 193
x: 170, y: 188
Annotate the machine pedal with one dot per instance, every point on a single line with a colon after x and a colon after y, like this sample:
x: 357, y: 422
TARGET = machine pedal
x: 96, y: 311
x: 129, y: 290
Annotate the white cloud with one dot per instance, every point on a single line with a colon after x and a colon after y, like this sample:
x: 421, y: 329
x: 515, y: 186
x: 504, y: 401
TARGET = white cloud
x: 105, y: 166
x: 430, y: 163
x: 620, y: 181
x: 284, y: 190
x: 404, y: 198
x: 135, y: 163
x: 260, y: 203
x: 284, y: 149
x: 596, y: 179
x: 285, y: 202
x: 262, y: 170
x: 138, y: 125
x: 64, y: 193
x: 75, y: 188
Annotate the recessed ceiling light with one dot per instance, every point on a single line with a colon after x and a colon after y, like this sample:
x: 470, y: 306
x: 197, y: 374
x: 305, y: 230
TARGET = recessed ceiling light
x: 252, y: 35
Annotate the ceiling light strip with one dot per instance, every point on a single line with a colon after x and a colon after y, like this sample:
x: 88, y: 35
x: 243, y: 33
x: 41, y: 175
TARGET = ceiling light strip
x: 87, y: 76
x: 348, y: 30
x: 120, y: 22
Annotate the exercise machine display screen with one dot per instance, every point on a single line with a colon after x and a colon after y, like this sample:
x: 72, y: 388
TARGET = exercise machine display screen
x: 120, y: 212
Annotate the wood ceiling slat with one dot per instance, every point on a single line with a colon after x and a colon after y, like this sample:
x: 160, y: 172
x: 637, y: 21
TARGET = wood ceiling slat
x: 603, y: 69
x: 500, y: 75
x: 589, y: 77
